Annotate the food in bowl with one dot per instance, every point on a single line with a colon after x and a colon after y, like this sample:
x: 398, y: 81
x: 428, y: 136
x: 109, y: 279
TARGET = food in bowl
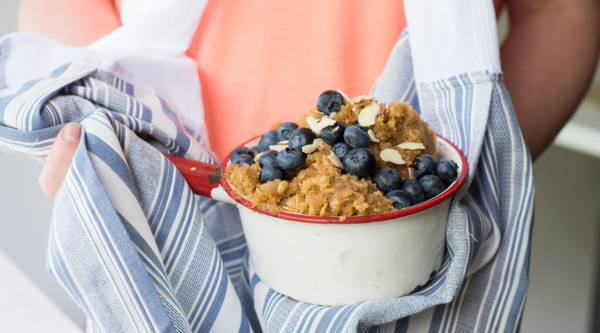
x: 345, y: 157
x: 351, y: 258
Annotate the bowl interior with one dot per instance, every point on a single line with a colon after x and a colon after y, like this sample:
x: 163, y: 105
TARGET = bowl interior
x: 445, y: 150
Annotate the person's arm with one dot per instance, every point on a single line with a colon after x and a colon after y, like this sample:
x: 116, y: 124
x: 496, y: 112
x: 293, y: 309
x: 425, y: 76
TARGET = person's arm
x: 71, y: 22
x: 74, y: 23
x: 548, y: 60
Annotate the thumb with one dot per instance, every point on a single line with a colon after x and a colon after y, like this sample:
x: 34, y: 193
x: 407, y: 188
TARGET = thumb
x: 58, y: 161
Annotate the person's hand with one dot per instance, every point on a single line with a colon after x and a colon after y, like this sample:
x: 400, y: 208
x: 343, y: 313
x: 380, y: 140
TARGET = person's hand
x: 58, y: 161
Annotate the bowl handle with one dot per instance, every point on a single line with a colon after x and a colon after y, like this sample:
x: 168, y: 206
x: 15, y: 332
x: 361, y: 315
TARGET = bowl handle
x: 201, y: 177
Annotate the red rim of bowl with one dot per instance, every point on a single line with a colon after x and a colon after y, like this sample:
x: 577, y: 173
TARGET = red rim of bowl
x: 448, y: 193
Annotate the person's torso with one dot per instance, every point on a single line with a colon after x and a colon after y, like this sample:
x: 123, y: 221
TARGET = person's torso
x: 265, y: 61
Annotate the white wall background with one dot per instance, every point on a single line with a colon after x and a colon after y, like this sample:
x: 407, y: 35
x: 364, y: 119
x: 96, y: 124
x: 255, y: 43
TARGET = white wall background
x: 565, y: 234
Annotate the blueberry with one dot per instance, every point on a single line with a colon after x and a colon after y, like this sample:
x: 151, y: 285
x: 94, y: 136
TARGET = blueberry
x: 330, y: 101
x: 414, y: 189
x: 268, y: 157
x: 269, y: 173
x: 340, y: 150
x: 356, y: 137
x: 360, y: 162
x: 400, y: 199
x: 387, y: 180
x: 432, y: 185
x: 285, y: 130
x: 301, y: 137
x: 243, y: 159
x: 330, y: 135
x: 240, y: 151
x: 268, y: 139
x: 423, y: 165
x: 446, y: 170
x: 290, y: 160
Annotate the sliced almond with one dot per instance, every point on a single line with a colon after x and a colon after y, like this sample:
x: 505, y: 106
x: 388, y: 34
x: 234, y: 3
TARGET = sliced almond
x: 375, y: 107
x: 312, y: 122
x: 309, y: 149
x: 372, y: 136
x: 411, y: 145
x: 335, y: 129
x: 363, y: 103
x: 317, y: 126
x: 332, y: 157
x: 258, y: 156
x: 317, y: 143
x: 361, y: 98
x: 346, y: 97
x: 366, y: 118
x: 391, y: 155
x: 332, y: 115
x: 277, y: 148
x: 357, y: 99
x: 368, y: 114
x: 285, y: 142
x: 411, y: 174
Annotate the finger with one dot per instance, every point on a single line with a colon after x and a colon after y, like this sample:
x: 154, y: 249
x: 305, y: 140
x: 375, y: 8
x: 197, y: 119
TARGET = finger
x: 58, y: 161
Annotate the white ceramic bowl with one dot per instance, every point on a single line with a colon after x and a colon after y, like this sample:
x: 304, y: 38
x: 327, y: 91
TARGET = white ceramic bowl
x: 327, y: 261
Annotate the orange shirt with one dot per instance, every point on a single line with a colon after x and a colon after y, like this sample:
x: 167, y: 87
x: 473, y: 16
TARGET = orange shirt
x: 265, y: 61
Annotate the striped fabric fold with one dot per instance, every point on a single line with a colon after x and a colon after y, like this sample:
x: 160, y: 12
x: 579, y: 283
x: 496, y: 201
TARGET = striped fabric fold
x: 129, y: 240
x: 140, y: 253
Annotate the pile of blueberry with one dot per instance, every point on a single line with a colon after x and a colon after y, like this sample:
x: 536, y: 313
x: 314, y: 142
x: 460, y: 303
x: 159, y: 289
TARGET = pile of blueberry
x: 350, y: 146
x: 274, y: 164
x: 432, y: 179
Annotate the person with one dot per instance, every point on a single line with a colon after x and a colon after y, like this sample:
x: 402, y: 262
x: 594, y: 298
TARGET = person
x: 262, y: 62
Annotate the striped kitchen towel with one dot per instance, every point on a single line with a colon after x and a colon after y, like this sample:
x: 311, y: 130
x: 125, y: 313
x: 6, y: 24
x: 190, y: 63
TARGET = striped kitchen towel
x: 140, y: 253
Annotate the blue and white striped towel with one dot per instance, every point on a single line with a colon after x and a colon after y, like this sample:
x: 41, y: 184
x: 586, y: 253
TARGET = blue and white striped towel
x: 140, y: 253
